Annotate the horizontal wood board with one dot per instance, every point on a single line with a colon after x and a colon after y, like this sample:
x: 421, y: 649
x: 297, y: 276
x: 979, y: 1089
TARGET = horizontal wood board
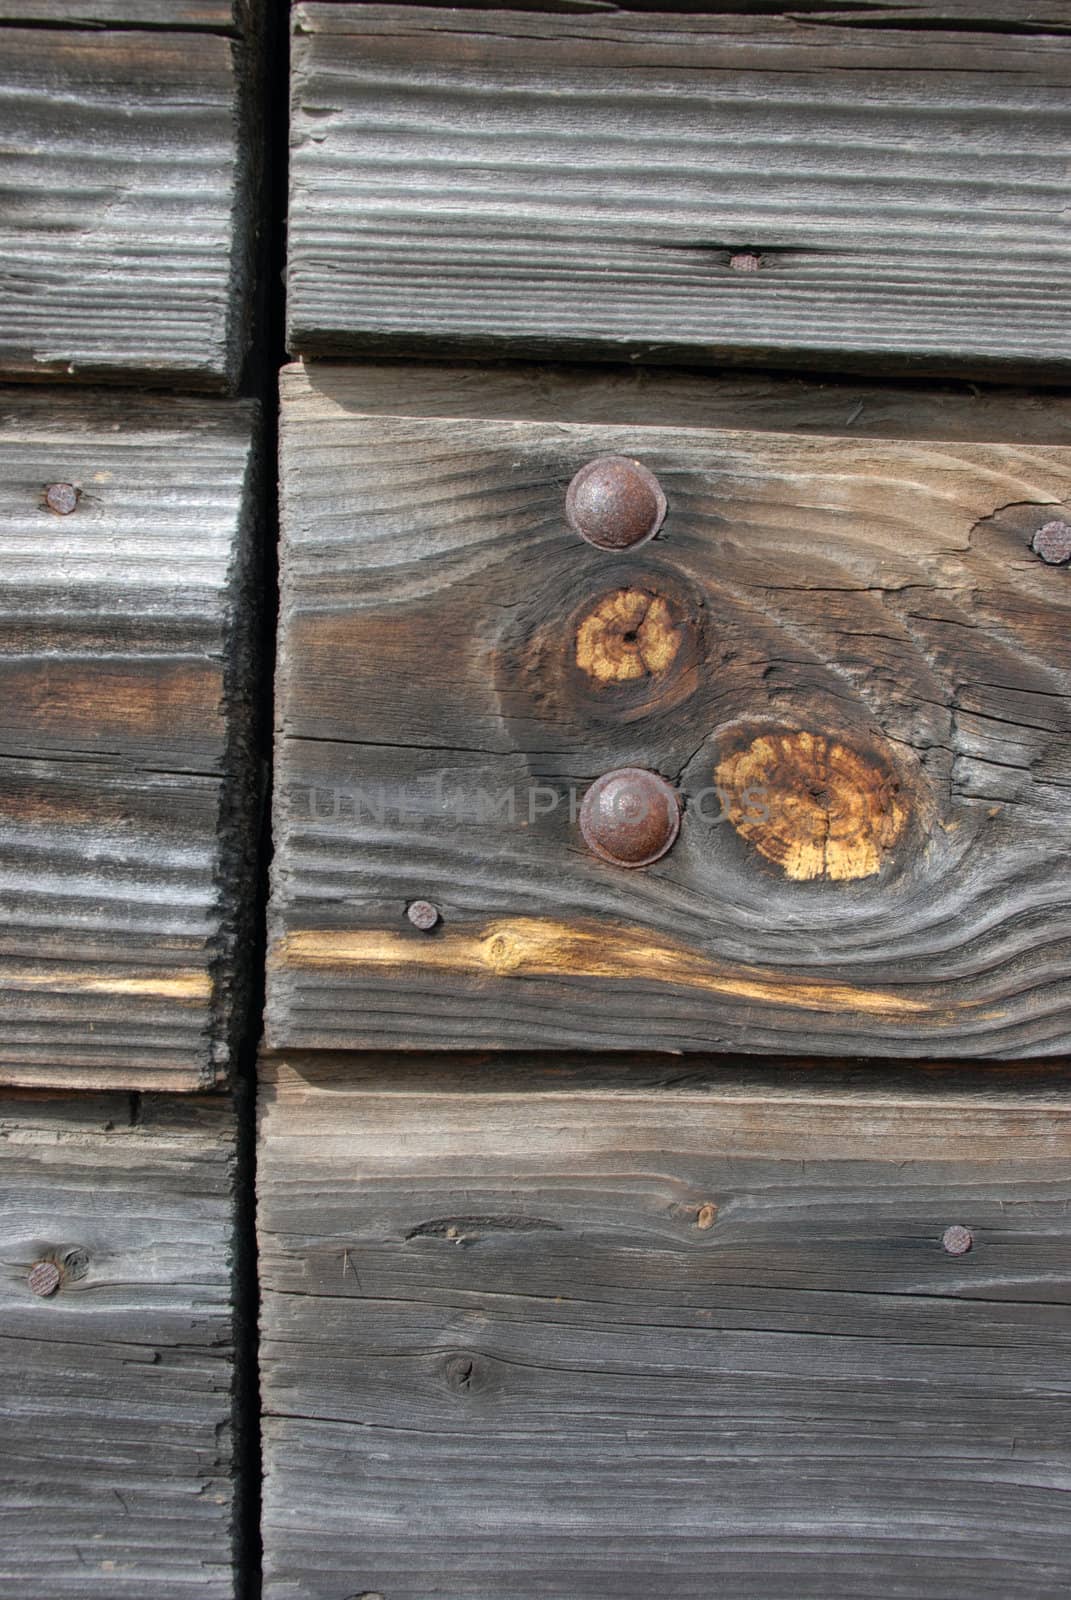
x: 831, y: 404
x: 506, y: 182
x: 127, y: 227
x: 116, y: 1465
x: 127, y: 783
x: 529, y: 1335
x: 202, y: 16
x: 870, y: 608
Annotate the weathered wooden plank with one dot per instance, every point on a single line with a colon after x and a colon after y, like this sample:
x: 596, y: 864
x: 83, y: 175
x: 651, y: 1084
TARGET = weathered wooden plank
x: 682, y: 398
x: 127, y: 228
x: 856, y: 631
x: 502, y: 182
x: 206, y: 16
x: 535, y: 1341
x: 116, y: 1470
x: 994, y: 16
x: 127, y: 672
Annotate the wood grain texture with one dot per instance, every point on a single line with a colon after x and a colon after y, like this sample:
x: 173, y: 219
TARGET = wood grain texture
x: 502, y: 182
x: 127, y: 227
x: 203, y: 16
x: 127, y: 671
x: 558, y: 1341
x: 115, y: 1394
x: 670, y: 397
x: 869, y: 611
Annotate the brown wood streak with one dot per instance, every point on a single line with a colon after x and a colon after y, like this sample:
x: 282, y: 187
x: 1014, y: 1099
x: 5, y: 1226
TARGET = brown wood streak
x: 857, y: 626
x: 116, y: 1469
x: 126, y: 233
x: 660, y: 1335
x: 126, y: 678
x: 496, y: 182
x: 98, y: 703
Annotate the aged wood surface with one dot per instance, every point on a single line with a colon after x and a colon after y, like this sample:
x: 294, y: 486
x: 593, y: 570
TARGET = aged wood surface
x: 208, y: 16
x: 115, y: 1392
x: 854, y: 630
x: 506, y: 182
x: 126, y: 227
x: 529, y: 1336
x: 671, y: 397
x: 126, y: 672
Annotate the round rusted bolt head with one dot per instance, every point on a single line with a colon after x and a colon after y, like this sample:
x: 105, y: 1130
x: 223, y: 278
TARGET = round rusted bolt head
x: 423, y: 915
x: 957, y: 1240
x: 61, y: 498
x: 630, y: 817
x: 615, y: 503
x: 1053, y: 543
x: 44, y: 1278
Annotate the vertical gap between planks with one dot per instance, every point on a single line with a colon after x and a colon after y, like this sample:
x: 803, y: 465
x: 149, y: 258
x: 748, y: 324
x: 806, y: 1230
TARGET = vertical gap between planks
x: 269, y: 127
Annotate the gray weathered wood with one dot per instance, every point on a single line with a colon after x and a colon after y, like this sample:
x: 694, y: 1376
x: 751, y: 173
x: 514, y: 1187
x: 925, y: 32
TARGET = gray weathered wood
x: 506, y: 182
x: 204, y: 16
x: 116, y: 1469
x: 857, y: 606
x: 502, y: 1356
x: 672, y: 397
x: 126, y: 784
x: 126, y: 227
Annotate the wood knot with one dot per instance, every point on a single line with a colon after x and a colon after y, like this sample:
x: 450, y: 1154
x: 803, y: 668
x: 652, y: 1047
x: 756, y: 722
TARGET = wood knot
x: 597, y: 649
x: 814, y: 805
x: 628, y: 635
x: 462, y: 1373
x: 502, y: 953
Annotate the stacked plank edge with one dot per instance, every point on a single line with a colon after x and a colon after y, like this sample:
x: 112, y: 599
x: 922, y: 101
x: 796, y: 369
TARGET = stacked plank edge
x: 128, y: 532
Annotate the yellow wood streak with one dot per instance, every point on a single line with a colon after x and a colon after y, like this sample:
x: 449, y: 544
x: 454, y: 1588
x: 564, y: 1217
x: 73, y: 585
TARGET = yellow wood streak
x: 541, y: 947
x: 189, y: 985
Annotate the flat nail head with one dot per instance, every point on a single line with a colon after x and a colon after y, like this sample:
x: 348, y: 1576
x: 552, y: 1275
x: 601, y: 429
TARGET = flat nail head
x: 62, y: 498
x: 1053, y: 543
x: 957, y: 1240
x: 630, y: 817
x: 423, y: 915
x: 44, y: 1278
x: 615, y: 503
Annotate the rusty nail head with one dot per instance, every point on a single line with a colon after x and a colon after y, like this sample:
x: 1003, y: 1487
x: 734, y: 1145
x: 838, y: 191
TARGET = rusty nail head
x: 745, y: 261
x: 1053, y: 543
x: 44, y: 1278
x: 957, y: 1240
x: 61, y: 498
x: 630, y: 817
x: 423, y: 915
x: 615, y: 503
x: 705, y: 1216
